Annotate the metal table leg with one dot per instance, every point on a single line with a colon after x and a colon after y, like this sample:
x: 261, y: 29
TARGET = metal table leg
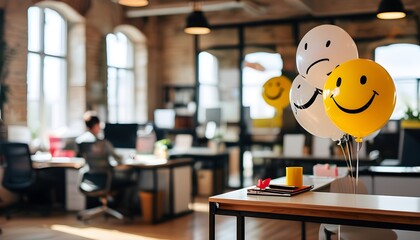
x: 212, y: 218
x: 240, y: 227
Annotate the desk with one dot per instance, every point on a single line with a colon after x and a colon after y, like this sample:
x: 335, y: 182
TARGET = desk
x: 141, y: 162
x: 40, y: 162
x: 204, y: 154
x: 392, y: 180
x: 275, y: 164
x: 178, y: 190
x: 63, y: 174
x: 321, y: 207
x: 394, y: 171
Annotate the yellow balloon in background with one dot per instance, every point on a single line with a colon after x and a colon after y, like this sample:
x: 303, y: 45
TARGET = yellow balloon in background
x: 359, y: 97
x: 276, y: 92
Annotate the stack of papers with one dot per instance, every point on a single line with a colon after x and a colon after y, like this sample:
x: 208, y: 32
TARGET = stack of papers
x: 279, y: 190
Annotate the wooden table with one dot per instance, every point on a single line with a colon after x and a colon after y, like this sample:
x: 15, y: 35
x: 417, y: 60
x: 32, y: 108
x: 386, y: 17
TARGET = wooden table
x: 321, y: 207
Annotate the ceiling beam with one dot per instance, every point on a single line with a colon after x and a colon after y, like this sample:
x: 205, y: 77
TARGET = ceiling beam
x: 185, y: 8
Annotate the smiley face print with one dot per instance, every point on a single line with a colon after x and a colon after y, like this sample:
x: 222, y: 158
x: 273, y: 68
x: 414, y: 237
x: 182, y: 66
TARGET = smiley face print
x: 321, y: 50
x: 308, y: 109
x: 276, y: 92
x: 359, y: 97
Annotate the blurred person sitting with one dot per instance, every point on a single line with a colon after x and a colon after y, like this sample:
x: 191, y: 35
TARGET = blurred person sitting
x: 122, y: 175
x: 93, y: 133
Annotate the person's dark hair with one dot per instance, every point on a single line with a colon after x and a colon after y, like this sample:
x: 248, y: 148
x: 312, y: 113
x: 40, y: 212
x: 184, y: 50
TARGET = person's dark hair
x: 91, y: 119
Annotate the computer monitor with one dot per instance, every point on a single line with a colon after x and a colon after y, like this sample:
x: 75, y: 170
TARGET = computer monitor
x: 121, y: 135
x: 409, y: 147
x: 214, y: 115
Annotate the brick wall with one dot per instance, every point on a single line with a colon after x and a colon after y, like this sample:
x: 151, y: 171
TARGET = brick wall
x: 170, y: 50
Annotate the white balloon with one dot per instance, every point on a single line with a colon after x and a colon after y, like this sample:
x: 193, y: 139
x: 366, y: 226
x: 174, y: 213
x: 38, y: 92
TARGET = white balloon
x: 308, y: 108
x: 321, y: 50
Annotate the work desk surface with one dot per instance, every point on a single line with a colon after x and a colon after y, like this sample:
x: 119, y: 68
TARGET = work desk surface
x: 337, y: 208
x: 40, y: 161
x: 400, y: 171
x: 319, y: 206
x: 151, y: 161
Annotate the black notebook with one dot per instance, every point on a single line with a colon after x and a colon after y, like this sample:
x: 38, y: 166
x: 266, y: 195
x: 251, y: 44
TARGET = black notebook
x: 279, y: 190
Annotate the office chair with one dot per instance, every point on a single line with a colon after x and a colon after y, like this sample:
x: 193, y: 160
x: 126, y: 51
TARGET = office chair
x: 19, y: 176
x: 97, y: 179
x: 346, y: 185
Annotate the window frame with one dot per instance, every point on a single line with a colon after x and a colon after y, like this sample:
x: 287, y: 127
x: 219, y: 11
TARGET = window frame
x: 44, y: 127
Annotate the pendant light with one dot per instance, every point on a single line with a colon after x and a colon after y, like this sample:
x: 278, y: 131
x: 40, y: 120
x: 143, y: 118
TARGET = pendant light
x: 196, y: 22
x: 133, y: 3
x: 391, y: 9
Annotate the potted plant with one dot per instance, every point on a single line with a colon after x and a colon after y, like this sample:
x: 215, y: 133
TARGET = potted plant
x: 162, y: 148
x: 6, y: 55
x: 411, y: 119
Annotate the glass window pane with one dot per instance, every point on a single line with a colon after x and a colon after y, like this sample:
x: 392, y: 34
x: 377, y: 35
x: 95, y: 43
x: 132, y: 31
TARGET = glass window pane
x: 261, y: 66
x: 119, y: 51
x: 112, y: 89
x: 34, y: 92
x: 111, y: 49
x: 34, y: 29
x: 122, y: 50
x: 46, y: 75
x: 121, y: 83
x: 33, y: 76
x: 33, y: 116
x: 400, y: 60
x: 125, y: 96
x: 126, y: 48
x: 208, y: 98
x: 258, y: 68
x: 259, y: 109
x: 55, y: 92
x: 55, y: 33
x: 406, y: 97
x: 208, y: 68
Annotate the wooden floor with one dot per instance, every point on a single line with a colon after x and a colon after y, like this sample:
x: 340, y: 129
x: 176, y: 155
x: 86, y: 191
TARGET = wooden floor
x: 65, y: 226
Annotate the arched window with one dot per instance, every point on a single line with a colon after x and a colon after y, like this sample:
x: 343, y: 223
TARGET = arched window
x: 402, y: 61
x: 47, y: 67
x: 126, y: 79
x: 120, y: 78
x: 51, y: 75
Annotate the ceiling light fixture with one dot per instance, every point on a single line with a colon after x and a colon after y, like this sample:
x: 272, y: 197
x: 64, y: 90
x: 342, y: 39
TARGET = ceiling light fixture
x: 133, y: 3
x: 196, y: 22
x: 391, y: 9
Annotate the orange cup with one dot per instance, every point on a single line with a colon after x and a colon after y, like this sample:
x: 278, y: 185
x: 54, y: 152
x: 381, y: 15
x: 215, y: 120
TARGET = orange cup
x: 294, y: 176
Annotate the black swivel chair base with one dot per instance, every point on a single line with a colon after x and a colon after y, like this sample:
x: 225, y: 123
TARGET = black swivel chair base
x: 98, y: 211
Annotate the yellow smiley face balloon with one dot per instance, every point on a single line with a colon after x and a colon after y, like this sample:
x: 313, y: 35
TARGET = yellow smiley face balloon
x: 359, y: 97
x: 276, y: 92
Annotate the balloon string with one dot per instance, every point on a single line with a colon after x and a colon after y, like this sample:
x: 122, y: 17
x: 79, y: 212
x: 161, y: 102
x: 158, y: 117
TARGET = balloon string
x: 340, y: 143
x: 359, y: 146
x: 349, y: 150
